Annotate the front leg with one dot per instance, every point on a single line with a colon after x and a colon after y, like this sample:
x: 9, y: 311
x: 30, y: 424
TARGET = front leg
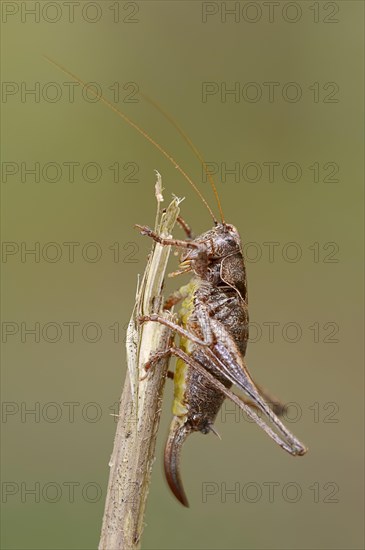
x: 165, y: 241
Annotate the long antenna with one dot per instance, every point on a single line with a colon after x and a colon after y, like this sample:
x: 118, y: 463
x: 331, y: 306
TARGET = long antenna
x: 191, y: 145
x: 136, y: 127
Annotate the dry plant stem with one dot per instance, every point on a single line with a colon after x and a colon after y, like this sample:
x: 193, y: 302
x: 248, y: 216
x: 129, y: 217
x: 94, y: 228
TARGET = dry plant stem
x: 134, y: 445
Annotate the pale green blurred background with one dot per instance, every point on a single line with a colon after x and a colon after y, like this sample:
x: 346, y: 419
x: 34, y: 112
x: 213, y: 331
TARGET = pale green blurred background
x: 168, y: 51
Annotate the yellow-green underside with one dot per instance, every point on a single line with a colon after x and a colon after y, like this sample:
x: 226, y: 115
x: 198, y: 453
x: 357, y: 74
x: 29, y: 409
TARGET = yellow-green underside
x: 180, y: 378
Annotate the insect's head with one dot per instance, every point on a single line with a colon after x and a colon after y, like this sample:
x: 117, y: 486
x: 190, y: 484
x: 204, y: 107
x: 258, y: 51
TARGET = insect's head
x: 227, y: 241
x: 218, y: 258
x: 217, y: 243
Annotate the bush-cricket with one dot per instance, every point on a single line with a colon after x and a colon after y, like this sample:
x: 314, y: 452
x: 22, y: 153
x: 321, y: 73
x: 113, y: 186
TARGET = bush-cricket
x: 212, y: 325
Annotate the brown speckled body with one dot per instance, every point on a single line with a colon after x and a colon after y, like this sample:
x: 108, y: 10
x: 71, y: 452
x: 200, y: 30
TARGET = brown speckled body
x: 225, y: 305
x: 213, y: 331
x: 219, y: 288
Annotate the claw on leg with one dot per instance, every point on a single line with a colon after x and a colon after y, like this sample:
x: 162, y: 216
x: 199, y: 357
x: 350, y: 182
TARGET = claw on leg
x: 155, y: 358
